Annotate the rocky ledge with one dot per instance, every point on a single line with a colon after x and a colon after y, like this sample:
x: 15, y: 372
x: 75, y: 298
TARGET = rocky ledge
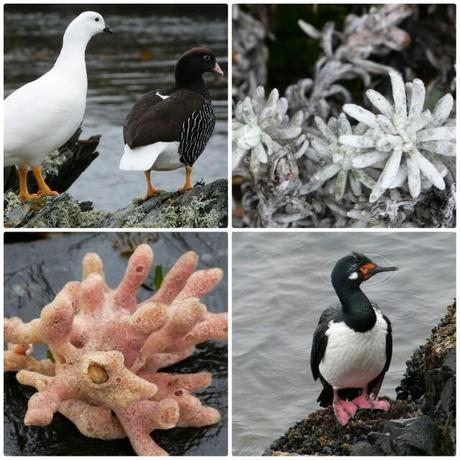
x: 421, y: 420
x: 204, y: 206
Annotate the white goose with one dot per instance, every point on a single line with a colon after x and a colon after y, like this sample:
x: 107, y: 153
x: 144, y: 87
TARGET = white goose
x: 43, y: 115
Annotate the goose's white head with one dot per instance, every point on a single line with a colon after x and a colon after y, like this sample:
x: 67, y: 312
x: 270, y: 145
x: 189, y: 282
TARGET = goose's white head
x: 85, y: 26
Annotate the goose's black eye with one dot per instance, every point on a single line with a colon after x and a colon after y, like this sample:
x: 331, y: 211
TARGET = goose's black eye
x: 206, y: 57
x: 96, y: 19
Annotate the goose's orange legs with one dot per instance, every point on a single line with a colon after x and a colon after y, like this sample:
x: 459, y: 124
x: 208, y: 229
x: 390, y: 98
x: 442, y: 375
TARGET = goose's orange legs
x: 188, y: 180
x: 151, y: 190
x: 43, y: 189
x: 24, y: 194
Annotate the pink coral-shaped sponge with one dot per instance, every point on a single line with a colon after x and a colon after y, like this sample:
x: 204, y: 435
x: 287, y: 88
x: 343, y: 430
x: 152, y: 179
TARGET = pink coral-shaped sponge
x: 107, y: 351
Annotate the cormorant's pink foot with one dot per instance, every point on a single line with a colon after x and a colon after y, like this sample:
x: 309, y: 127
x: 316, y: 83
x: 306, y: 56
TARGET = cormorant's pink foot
x: 380, y: 405
x: 363, y: 403
x: 344, y: 411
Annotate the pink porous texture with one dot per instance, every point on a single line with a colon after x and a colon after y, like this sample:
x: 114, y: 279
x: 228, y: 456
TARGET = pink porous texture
x: 108, y: 350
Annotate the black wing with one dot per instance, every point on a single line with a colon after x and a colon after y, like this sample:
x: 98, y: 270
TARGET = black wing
x: 158, y: 119
x: 318, y: 349
x: 318, y: 346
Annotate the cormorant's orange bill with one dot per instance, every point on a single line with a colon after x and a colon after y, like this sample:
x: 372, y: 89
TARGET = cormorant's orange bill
x: 366, y: 270
x: 371, y: 269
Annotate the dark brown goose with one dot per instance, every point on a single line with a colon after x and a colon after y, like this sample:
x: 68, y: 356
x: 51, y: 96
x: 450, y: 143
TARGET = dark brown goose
x: 169, y: 129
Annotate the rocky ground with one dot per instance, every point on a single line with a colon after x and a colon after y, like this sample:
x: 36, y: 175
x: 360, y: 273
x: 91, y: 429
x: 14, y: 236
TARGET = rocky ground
x: 205, y: 206
x: 421, y: 420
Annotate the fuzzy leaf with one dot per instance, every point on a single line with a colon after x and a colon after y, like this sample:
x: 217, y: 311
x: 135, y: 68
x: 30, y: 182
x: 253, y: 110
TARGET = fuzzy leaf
x: 368, y: 159
x: 380, y: 102
x: 360, y: 114
x: 413, y: 176
x: 247, y: 137
x: 237, y: 157
x: 309, y: 29
x: 258, y: 99
x: 388, y: 175
x: 444, y: 133
x: 386, y: 124
x: 286, y: 133
x: 320, y: 147
x: 325, y: 130
x: 247, y: 111
x: 445, y: 148
x: 355, y: 185
x: 364, y: 178
x: 400, y: 177
x: 399, y: 94
x: 271, y: 104
x: 420, y: 122
x: 340, y: 184
x: 343, y: 125
x: 417, y: 98
x: 359, y: 142
x: 391, y: 168
x: 442, y: 109
x: 439, y: 165
x: 260, y: 153
x: 326, y: 173
x: 429, y: 171
x: 377, y: 192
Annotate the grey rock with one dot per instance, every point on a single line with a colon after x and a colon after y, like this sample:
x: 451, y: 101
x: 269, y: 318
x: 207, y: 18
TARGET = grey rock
x: 363, y: 449
x: 415, y: 436
x: 204, y: 206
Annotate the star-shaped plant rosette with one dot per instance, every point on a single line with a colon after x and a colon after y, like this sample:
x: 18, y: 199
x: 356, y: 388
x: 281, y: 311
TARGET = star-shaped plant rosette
x: 336, y: 158
x: 406, y: 139
x: 261, y: 127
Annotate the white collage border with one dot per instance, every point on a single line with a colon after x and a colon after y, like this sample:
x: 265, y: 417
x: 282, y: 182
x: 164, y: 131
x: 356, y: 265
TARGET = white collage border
x: 229, y: 230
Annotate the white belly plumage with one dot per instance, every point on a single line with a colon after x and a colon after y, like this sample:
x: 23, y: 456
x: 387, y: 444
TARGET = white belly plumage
x: 161, y: 156
x: 353, y: 359
x: 39, y: 119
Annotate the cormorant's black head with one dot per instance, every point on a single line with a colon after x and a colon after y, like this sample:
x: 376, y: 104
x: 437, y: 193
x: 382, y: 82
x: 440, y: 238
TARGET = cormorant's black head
x: 195, y: 62
x: 352, y: 270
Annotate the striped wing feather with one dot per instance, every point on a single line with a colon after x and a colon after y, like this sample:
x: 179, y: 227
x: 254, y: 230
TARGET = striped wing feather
x: 154, y: 119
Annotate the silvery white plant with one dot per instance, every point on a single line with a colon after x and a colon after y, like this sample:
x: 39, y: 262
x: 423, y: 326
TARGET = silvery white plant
x: 262, y: 127
x: 250, y: 52
x: 347, y: 55
x: 404, y: 136
x: 336, y: 158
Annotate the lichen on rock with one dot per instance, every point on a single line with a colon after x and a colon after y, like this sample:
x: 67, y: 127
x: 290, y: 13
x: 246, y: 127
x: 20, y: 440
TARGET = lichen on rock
x: 204, y: 206
x: 108, y: 350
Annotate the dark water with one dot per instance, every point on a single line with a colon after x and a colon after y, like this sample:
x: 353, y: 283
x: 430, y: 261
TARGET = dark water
x: 281, y: 283
x: 139, y: 57
x: 36, y: 270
